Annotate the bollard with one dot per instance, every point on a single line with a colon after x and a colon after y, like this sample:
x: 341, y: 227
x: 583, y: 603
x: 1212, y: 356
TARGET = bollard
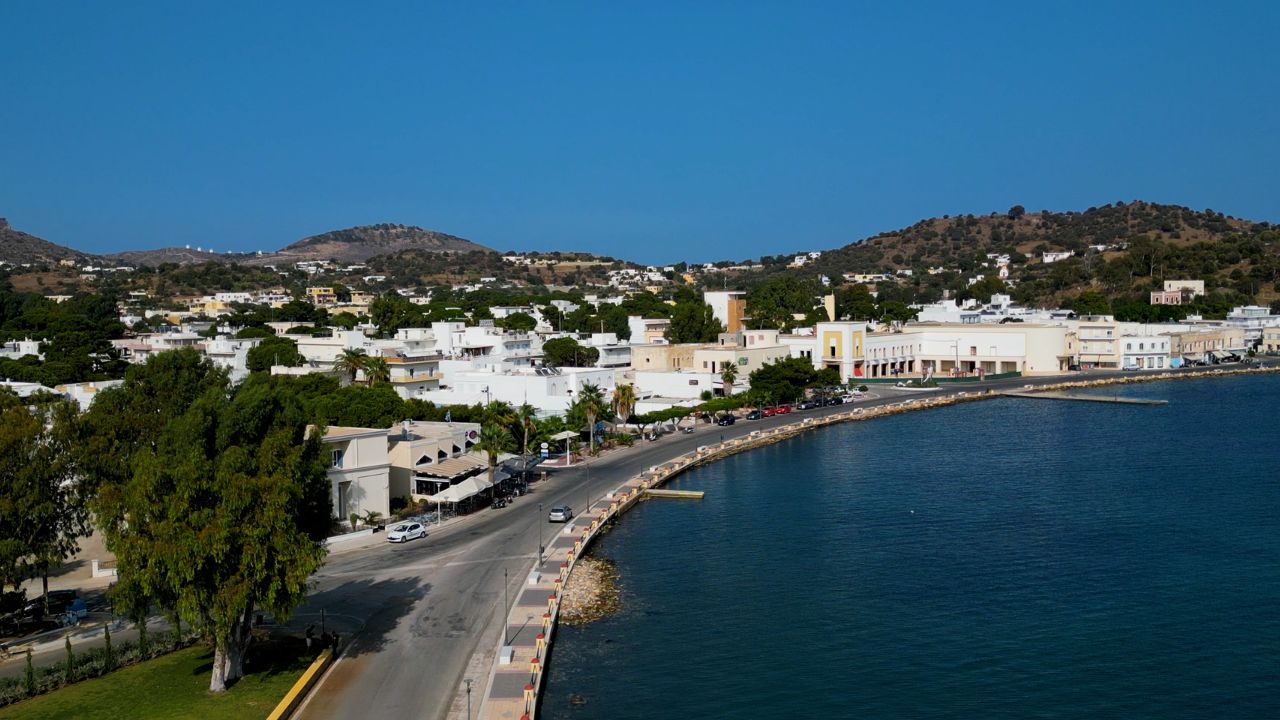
x: 540, y: 643
x: 535, y: 666
x: 528, y: 698
x: 546, y: 622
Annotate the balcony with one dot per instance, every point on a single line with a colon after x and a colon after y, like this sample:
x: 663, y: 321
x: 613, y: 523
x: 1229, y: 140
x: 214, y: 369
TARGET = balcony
x: 418, y: 378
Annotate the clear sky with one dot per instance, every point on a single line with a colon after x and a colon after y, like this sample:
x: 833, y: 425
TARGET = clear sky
x: 652, y: 131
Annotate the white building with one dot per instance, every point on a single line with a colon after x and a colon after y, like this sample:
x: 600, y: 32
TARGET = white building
x: 18, y: 349
x: 359, y: 471
x: 550, y: 390
x: 84, y: 393
x: 1144, y: 351
x: 1053, y: 257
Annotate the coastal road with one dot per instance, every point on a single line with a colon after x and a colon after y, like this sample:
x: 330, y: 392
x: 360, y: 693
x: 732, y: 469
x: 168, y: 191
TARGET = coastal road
x: 418, y: 613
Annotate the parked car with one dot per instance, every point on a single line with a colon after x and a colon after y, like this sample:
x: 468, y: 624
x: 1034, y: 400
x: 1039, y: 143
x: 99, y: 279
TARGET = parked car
x: 560, y: 513
x: 754, y: 415
x: 405, y: 532
x: 768, y: 412
x: 807, y: 405
x: 783, y: 409
x: 726, y: 420
x: 64, y: 607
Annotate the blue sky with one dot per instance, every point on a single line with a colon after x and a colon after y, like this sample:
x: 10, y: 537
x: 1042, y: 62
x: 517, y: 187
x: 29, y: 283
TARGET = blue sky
x: 652, y: 131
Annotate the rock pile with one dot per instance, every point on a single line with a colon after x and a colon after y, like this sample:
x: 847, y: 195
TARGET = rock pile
x: 591, y: 593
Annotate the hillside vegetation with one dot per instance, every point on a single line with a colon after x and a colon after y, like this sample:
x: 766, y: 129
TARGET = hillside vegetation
x: 1145, y: 244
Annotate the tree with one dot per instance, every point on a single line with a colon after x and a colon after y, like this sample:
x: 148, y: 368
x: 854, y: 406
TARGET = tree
x: 693, y: 322
x: 224, y: 512
x: 784, y: 380
x: 350, y: 363
x: 1091, y: 302
x: 527, y: 416
x: 856, y: 303
x: 624, y: 401
x: 566, y: 352
x: 377, y: 370
x: 591, y: 402
x: 494, y: 440
x: 519, y: 322
x: 727, y: 376
x: 1016, y: 212
x: 273, y: 351
x: 60, y: 515
x: 775, y: 303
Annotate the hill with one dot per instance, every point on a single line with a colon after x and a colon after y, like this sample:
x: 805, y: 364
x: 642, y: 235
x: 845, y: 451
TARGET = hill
x: 1117, y: 252
x: 17, y: 247
x: 358, y: 244
x: 963, y: 241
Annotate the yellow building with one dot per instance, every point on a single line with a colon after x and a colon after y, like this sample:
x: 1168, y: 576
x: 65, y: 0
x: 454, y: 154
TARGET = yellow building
x: 664, y: 357
x: 839, y: 345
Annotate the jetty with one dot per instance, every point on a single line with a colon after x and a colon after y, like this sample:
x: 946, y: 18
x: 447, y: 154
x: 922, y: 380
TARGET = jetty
x: 1058, y: 395
x: 675, y: 494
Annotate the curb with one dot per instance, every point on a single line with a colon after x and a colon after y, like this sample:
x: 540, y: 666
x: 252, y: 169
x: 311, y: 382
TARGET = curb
x: 298, y: 692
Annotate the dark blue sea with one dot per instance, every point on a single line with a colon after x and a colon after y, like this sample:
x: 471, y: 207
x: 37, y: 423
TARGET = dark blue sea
x: 1001, y: 559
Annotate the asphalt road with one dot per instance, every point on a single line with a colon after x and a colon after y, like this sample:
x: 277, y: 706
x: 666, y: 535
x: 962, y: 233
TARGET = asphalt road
x: 419, y: 612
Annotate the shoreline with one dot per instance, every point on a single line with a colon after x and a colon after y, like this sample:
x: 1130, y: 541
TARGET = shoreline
x: 631, y: 490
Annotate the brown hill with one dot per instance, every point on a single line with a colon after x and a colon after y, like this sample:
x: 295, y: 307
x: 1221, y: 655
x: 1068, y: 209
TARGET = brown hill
x: 965, y: 240
x: 17, y: 247
x: 358, y: 244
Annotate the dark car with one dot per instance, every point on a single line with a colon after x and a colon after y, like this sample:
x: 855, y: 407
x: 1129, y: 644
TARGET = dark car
x: 807, y: 405
x: 754, y: 415
x: 726, y: 420
x: 63, y: 604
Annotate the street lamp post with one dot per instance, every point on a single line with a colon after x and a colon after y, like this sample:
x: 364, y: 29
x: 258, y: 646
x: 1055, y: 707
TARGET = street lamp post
x: 468, y: 698
x: 506, y: 603
x: 537, y: 524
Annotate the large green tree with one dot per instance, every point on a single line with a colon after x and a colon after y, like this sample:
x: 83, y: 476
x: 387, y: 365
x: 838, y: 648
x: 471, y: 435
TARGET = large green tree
x: 221, y: 512
x: 784, y: 380
x: 693, y: 322
x: 273, y: 351
x: 567, y: 352
x: 42, y: 507
x: 774, y: 303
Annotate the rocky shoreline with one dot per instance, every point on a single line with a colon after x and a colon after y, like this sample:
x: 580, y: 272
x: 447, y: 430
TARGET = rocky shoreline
x: 591, y: 593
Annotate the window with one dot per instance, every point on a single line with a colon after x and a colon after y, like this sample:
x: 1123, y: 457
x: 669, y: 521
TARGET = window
x: 832, y: 351
x: 336, y: 457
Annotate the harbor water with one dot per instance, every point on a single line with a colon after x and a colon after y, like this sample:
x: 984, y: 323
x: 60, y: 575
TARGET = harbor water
x: 1002, y: 559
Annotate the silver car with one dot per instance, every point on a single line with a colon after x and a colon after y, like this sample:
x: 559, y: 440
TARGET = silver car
x: 560, y: 513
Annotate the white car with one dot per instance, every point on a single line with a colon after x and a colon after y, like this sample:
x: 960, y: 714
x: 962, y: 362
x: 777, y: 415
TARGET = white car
x: 405, y: 532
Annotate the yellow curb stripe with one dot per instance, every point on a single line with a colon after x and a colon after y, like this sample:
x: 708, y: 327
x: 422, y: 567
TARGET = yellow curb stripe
x: 299, y: 690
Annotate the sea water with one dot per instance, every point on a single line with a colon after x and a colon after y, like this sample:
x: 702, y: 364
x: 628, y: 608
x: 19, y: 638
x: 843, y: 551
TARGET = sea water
x: 1003, y: 559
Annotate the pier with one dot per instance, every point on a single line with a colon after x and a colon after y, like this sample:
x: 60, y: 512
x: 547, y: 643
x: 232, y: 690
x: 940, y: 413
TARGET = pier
x: 1058, y: 395
x: 675, y: 494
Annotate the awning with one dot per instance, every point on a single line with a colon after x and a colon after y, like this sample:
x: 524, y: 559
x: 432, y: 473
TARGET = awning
x: 461, y: 491
x: 1222, y: 354
x: 451, y: 467
x: 566, y: 435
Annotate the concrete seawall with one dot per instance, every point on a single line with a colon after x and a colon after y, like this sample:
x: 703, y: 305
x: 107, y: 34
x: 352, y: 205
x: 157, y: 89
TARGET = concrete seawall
x: 516, y: 680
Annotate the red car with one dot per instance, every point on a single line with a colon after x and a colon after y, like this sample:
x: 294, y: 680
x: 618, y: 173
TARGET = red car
x: 768, y: 412
x: 784, y: 409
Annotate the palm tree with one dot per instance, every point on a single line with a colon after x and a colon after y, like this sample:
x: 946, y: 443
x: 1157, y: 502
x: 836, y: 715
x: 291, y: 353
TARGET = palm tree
x: 494, y: 440
x: 376, y: 370
x: 624, y: 401
x: 591, y: 400
x: 727, y: 376
x: 350, y: 362
x: 527, y: 416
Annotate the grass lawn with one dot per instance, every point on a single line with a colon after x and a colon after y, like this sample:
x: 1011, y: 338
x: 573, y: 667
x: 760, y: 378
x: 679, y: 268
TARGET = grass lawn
x: 175, y: 686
